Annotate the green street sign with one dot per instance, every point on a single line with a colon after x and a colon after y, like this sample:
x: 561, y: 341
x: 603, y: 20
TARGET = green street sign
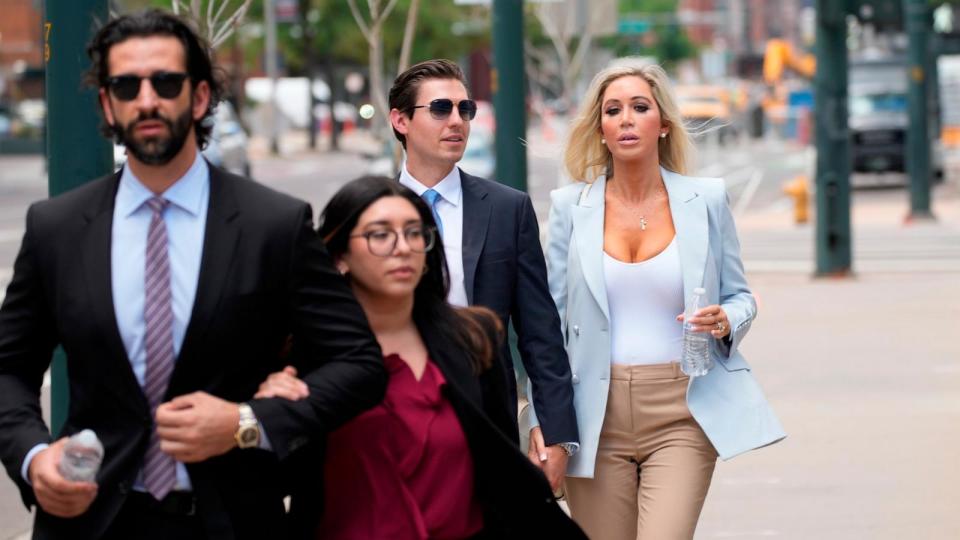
x: 635, y: 26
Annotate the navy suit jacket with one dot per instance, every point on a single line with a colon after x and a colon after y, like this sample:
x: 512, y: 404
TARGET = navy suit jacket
x: 504, y: 270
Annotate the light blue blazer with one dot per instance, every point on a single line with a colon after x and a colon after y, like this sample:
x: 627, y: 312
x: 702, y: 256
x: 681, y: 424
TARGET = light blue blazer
x: 727, y: 402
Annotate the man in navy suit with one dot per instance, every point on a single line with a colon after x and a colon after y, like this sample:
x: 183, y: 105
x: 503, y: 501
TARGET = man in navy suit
x: 492, y: 241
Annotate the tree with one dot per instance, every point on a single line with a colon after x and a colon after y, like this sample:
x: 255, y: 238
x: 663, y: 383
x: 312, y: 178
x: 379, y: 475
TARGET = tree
x: 571, y: 39
x: 214, y: 21
x: 409, y: 30
x: 668, y: 43
x: 372, y: 30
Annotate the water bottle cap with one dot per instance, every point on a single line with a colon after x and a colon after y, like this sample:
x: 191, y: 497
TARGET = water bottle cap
x: 88, y: 439
x: 700, y: 291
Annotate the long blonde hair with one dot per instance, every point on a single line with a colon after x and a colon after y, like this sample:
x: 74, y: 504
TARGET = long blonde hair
x: 585, y: 157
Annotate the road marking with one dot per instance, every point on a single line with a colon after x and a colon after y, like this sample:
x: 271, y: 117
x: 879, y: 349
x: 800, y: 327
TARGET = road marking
x: 755, y: 179
x: 735, y: 177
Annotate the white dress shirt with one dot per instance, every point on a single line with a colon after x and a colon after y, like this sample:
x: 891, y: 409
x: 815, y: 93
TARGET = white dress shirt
x: 450, y: 208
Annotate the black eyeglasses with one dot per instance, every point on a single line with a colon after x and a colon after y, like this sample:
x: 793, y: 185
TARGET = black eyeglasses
x: 441, y: 108
x: 167, y: 84
x: 383, y: 242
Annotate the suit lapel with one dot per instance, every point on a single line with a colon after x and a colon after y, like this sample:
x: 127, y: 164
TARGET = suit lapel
x: 588, y: 231
x: 98, y: 274
x: 219, y: 243
x: 689, y: 212
x: 476, y: 218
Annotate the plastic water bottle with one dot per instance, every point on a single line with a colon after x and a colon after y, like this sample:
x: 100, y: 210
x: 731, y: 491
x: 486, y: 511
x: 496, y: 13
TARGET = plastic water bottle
x: 695, y: 359
x: 81, y: 457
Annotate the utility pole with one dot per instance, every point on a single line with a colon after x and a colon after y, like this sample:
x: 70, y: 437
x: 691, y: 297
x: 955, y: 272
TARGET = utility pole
x: 270, y: 20
x: 833, y: 234
x: 76, y: 152
x: 509, y: 93
x: 918, y: 146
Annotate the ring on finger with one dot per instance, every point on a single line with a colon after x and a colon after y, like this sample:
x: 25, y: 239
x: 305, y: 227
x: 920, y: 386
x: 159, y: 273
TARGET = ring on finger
x: 719, y: 326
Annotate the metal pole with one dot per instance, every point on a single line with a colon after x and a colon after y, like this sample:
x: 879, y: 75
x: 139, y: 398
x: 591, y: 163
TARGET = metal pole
x: 918, y: 146
x: 509, y: 93
x: 270, y: 20
x: 833, y: 141
x: 76, y: 152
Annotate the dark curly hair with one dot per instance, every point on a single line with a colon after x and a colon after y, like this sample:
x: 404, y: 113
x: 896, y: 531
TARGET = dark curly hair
x: 155, y: 22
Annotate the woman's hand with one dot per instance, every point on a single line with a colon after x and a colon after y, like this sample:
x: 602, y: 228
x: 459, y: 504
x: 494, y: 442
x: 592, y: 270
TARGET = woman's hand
x: 284, y: 384
x: 710, y: 319
x: 552, y: 460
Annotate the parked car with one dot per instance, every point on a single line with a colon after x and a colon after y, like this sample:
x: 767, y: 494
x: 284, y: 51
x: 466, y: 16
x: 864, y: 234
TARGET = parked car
x: 226, y: 148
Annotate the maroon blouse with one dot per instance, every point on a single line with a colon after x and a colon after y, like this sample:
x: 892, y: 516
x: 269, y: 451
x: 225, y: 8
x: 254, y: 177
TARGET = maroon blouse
x: 401, y: 470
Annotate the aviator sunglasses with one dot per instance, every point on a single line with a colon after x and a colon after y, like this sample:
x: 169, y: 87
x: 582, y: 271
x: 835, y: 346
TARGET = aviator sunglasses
x: 441, y: 108
x: 167, y: 85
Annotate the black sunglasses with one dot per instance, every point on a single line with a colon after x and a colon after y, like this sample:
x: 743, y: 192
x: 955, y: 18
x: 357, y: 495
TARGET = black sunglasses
x: 167, y: 84
x: 441, y: 108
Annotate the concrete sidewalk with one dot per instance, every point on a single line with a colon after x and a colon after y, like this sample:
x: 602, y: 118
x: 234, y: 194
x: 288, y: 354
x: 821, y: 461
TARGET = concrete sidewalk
x: 882, y: 239
x: 865, y: 375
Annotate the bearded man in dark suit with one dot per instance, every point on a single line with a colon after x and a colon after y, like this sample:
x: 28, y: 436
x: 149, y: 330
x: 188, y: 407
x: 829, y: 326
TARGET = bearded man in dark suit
x: 172, y: 287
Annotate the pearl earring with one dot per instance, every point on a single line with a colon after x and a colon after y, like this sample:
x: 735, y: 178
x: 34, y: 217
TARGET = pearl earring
x: 663, y: 135
x: 603, y: 141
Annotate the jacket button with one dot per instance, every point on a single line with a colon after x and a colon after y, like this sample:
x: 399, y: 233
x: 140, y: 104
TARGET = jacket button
x: 575, y: 378
x: 576, y: 330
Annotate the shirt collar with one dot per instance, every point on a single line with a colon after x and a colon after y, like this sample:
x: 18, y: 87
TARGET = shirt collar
x: 186, y: 193
x: 450, y: 188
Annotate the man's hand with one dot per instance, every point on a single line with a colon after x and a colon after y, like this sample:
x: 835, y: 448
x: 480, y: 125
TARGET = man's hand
x: 552, y: 460
x: 197, y: 426
x: 55, y: 494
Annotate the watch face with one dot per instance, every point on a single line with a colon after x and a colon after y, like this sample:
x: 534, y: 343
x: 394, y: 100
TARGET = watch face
x: 248, y: 436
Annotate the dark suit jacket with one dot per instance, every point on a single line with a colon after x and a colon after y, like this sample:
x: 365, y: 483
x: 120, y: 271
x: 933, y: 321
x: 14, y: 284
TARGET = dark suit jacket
x: 515, y: 496
x: 504, y: 270
x: 264, y: 275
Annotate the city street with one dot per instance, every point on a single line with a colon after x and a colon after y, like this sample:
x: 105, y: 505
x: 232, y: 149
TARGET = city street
x: 862, y: 371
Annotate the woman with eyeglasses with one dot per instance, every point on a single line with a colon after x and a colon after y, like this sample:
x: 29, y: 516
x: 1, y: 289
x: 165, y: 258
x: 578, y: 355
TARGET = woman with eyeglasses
x: 431, y: 461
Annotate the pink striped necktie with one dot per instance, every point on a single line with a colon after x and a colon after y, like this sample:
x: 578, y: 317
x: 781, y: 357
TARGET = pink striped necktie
x: 159, y: 469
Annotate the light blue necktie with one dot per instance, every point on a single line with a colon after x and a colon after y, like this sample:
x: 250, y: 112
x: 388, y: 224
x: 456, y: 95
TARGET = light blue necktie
x: 432, y: 197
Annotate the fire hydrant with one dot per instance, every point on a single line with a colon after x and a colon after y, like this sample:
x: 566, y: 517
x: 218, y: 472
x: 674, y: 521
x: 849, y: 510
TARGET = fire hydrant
x: 799, y: 191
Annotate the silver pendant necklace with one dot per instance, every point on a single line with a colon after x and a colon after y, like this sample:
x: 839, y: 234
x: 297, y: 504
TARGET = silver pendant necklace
x: 640, y: 211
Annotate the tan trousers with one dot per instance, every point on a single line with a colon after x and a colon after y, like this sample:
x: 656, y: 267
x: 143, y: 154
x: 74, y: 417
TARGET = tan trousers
x: 654, y: 463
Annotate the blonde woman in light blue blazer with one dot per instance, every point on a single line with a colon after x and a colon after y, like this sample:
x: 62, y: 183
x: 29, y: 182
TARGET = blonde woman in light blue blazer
x: 627, y: 245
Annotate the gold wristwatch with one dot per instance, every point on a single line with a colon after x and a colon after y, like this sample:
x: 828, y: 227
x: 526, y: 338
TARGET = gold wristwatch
x: 248, y: 431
